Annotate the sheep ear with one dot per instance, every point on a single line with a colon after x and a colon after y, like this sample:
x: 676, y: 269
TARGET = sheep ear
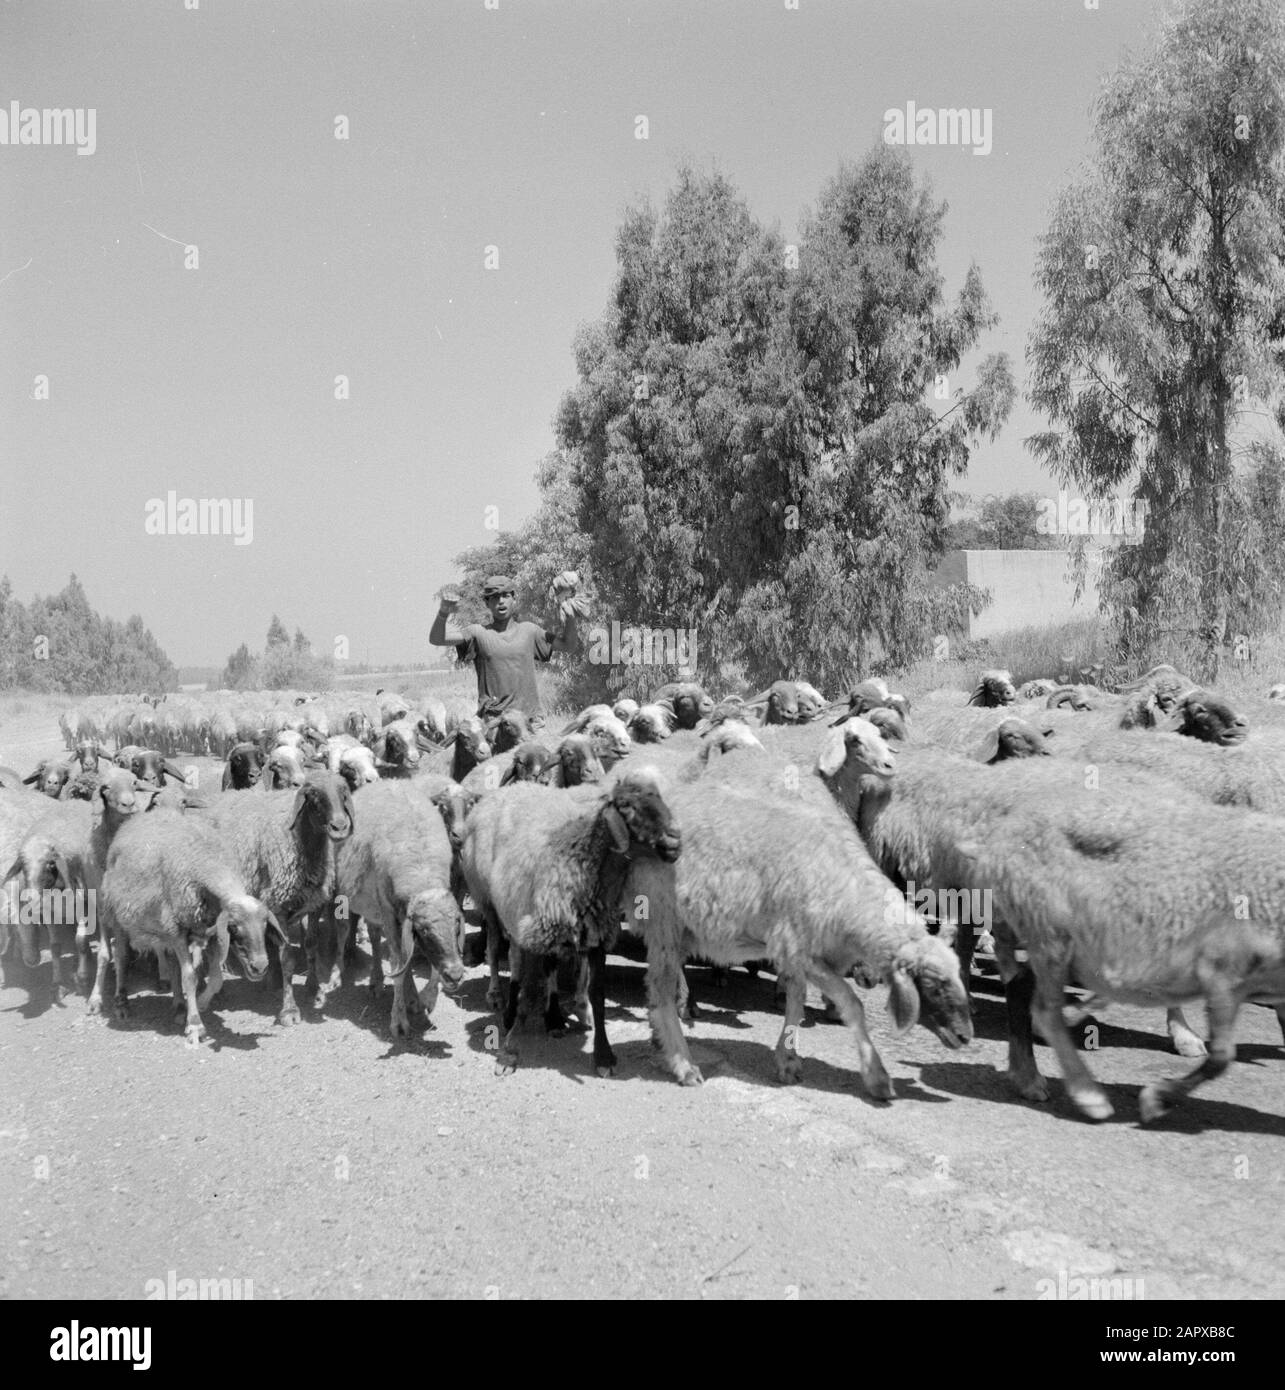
x: 509, y: 774
x: 300, y: 802
x: 988, y: 749
x: 834, y: 753
x: 275, y: 927
x: 227, y: 778
x: 616, y: 825
x: 903, y: 1000
x: 35, y: 777
x: 14, y: 869
x: 760, y: 699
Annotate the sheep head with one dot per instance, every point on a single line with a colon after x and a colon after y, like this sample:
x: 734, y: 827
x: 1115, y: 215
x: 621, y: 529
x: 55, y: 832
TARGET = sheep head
x: 1012, y: 738
x: 1206, y: 717
x: 653, y: 722
x: 638, y: 817
x: 610, y: 738
x: 248, y: 923
x: 926, y: 988
x: 357, y: 767
x: 625, y: 709
x: 470, y: 734
x: 435, y: 919
x: 870, y: 694
x: 994, y: 688
x: 890, y: 723
x: 123, y: 795
x: 324, y: 803
x: 506, y: 731
x: 573, y: 763
x: 856, y: 749
x: 723, y: 738
x: 529, y: 761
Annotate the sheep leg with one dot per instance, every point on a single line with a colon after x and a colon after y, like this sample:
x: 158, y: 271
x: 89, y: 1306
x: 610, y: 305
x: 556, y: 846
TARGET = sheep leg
x: 184, y: 971
x: 555, y: 1022
x: 120, y: 957
x: 1019, y: 991
x: 506, y: 1058
x: 103, y: 951
x: 686, y: 997
x: 1050, y: 985
x: 288, y: 1014
x: 1156, y: 1101
x: 582, y: 1003
x: 835, y: 987
x: 216, y: 956
x: 604, y: 1059
x: 788, y: 1066
x: 1280, y: 1018
x: 376, y: 959
x: 965, y: 945
x: 400, y: 947
x: 1186, y: 1043
x: 664, y: 971
x: 495, y: 998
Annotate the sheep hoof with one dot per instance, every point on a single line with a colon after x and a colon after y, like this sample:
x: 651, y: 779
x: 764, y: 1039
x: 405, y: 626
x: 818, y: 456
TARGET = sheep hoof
x: 880, y: 1088
x: 287, y: 1018
x: 1093, y: 1105
x: 1187, y: 1044
x: 1034, y: 1088
x: 399, y: 1028
x: 690, y: 1076
x: 1152, y: 1104
x: 495, y: 998
x: 789, y: 1070
x: 93, y: 1006
x: 506, y: 1063
x: 121, y: 1008
x: 605, y: 1071
x: 193, y: 1035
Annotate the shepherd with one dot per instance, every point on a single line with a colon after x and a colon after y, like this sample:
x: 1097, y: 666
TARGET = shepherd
x: 505, y: 651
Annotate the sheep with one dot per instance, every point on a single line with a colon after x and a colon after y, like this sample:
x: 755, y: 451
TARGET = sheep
x: 243, y: 767
x: 994, y: 687
x: 609, y: 736
x: 90, y: 752
x: 780, y: 702
x: 624, y: 709
x: 50, y: 777
x: 528, y: 762
x: 285, y: 768
x: 19, y: 811
x: 1277, y: 692
x: 392, y: 707
x: 688, y: 700
x: 434, y: 718
x: 394, y: 873
x: 66, y: 850
x: 283, y: 844
x: 890, y: 723
x: 652, y: 723
x: 1012, y: 738
x: 769, y: 879
x: 148, y: 764
x: 548, y: 868
x: 357, y: 767
x: 812, y: 704
x: 1036, y: 689
x: 170, y: 887
x: 725, y: 737
x: 1096, y: 883
x: 505, y: 731
x: 572, y: 763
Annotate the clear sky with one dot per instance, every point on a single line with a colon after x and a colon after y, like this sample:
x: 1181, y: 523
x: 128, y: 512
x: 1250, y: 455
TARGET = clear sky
x: 468, y: 127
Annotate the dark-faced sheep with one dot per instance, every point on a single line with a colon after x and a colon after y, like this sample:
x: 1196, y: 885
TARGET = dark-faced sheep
x: 283, y: 846
x: 548, y: 868
x: 243, y: 768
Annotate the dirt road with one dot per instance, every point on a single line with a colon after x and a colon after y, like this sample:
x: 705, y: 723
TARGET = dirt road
x: 322, y: 1160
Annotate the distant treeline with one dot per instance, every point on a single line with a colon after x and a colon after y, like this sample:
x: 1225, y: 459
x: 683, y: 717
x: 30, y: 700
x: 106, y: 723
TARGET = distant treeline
x: 60, y: 643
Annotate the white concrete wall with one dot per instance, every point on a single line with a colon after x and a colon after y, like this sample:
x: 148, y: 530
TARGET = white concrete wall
x: 1029, y: 588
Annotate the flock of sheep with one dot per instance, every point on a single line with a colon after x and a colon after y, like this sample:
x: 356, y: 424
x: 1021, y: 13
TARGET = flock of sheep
x: 1125, y: 842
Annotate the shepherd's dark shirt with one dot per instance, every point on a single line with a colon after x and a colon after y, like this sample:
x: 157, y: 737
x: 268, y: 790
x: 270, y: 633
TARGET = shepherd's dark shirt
x: 506, y: 660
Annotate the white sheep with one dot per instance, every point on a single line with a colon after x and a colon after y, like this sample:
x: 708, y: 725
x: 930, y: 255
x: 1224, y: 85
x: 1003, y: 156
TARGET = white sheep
x: 1096, y: 883
x: 170, y: 887
x: 777, y: 872
x: 394, y: 872
x: 548, y: 867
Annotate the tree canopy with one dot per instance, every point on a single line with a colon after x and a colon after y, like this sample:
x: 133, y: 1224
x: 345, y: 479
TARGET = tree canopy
x: 1163, y: 270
